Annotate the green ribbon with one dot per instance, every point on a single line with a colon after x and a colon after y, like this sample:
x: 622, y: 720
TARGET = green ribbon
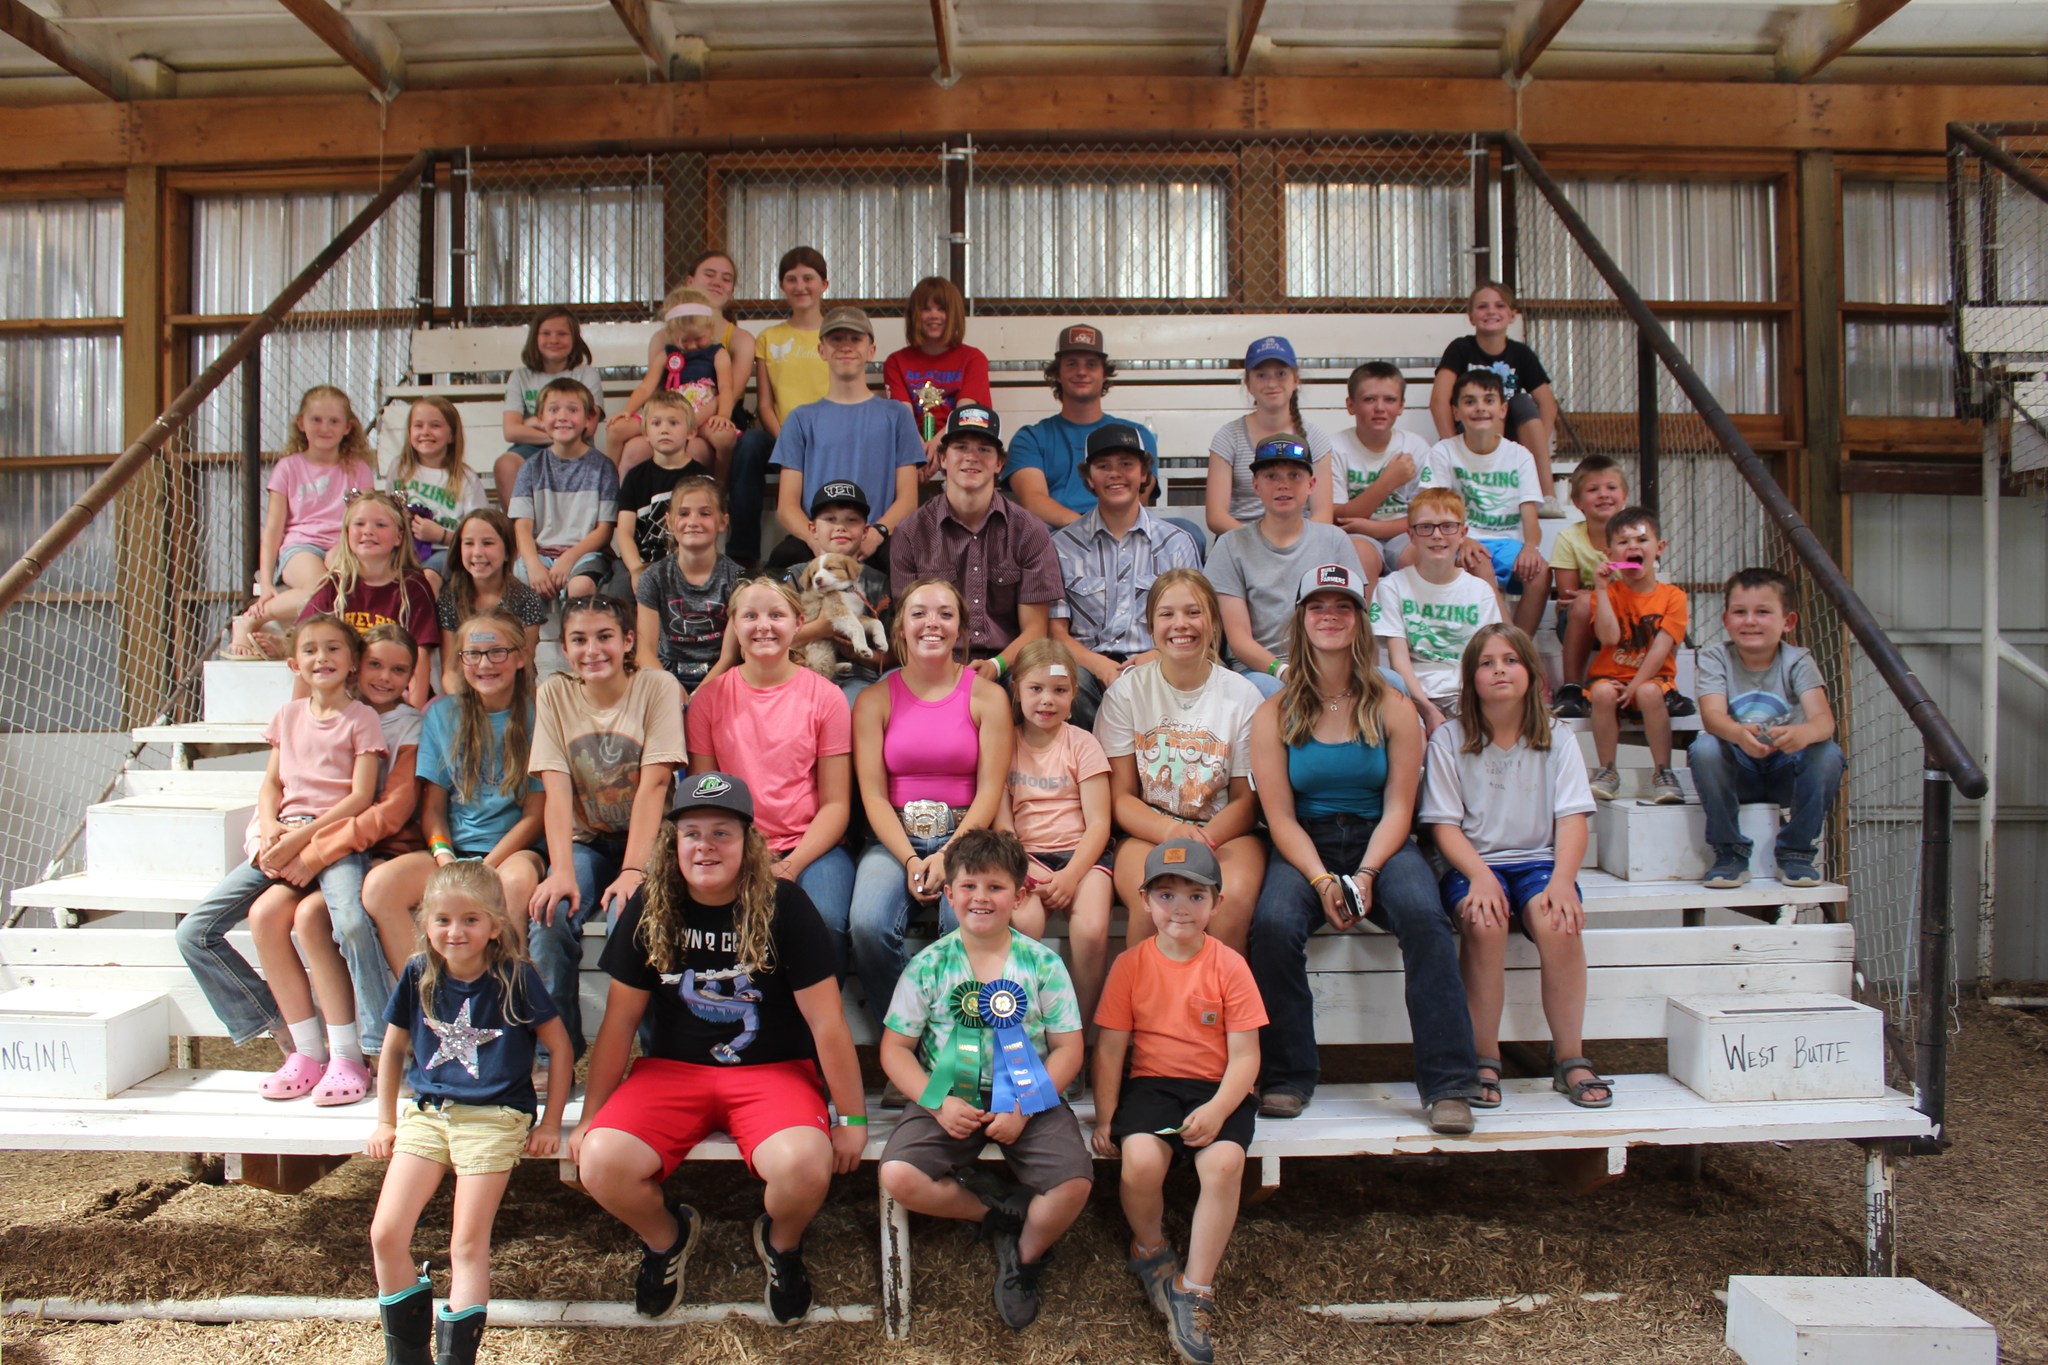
x: 963, y: 1047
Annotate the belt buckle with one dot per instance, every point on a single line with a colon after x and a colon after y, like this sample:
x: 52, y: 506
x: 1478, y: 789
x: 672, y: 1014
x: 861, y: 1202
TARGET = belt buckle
x: 927, y: 819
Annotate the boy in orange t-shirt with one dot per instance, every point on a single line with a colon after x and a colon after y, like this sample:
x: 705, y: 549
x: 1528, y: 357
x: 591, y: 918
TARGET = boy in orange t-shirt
x: 1185, y: 1009
x: 1639, y: 623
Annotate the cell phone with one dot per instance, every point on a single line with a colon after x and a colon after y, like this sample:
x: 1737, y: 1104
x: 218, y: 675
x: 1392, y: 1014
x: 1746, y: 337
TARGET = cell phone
x: 1348, y: 889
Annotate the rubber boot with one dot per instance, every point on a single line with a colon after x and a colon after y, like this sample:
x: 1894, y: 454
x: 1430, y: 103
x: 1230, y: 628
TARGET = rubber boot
x: 456, y: 1337
x: 408, y: 1324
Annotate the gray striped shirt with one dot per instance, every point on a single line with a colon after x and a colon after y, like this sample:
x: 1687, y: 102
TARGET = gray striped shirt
x: 1107, y: 579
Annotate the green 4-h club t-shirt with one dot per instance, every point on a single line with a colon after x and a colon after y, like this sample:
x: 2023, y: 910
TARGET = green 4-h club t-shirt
x: 927, y: 1005
x: 1437, y: 622
x: 1494, y: 486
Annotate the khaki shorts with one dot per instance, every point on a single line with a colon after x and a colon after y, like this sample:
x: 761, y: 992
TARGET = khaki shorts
x: 1047, y: 1154
x: 474, y: 1139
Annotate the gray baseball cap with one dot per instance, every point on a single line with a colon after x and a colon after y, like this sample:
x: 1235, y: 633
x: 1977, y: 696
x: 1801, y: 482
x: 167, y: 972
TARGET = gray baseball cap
x: 1189, y: 858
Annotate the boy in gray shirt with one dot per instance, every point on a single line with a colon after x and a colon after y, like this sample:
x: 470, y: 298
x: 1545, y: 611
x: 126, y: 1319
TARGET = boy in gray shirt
x: 566, y: 501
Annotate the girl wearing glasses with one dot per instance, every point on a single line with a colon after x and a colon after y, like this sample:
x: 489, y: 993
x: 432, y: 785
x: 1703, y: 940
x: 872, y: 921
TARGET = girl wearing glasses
x: 1274, y: 382
x: 476, y: 798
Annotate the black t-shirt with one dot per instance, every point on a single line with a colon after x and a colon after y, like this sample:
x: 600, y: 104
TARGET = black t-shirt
x: 1519, y: 370
x: 717, y: 1010
x: 645, y: 492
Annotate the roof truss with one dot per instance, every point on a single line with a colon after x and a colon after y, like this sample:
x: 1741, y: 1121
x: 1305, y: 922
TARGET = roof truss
x: 52, y: 44
x: 366, y: 46
x: 1820, y: 35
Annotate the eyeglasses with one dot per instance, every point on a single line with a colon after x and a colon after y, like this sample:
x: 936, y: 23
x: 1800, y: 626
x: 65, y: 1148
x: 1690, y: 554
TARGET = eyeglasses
x: 1435, y: 528
x: 496, y: 655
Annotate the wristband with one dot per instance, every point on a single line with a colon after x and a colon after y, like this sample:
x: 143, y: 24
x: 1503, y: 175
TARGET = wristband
x: 1002, y: 668
x: 1273, y: 669
x: 880, y: 530
x: 851, y: 1121
x: 440, y: 846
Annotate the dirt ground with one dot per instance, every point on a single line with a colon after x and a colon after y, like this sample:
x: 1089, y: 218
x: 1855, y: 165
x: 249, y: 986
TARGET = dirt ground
x: 1973, y: 1224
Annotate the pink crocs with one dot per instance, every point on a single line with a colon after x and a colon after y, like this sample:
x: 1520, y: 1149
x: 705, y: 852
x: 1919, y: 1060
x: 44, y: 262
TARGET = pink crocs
x: 345, y: 1082
x: 298, y: 1075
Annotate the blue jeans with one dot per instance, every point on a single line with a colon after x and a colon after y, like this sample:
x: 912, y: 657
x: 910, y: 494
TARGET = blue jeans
x: 1269, y: 684
x: 1404, y: 902
x: 355, y: 933
x: 557, y: 947
x: 828, y: 881
x: 870, y: 938
x: 231, y: 986
x: 1806, y: 782
x: 746, y: 488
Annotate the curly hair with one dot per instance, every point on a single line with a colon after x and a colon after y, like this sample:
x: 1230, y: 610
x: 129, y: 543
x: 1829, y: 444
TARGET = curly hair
x: 664, y: 918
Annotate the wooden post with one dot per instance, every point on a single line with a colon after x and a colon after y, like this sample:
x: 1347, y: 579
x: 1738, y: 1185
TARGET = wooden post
x: 683, y: 219
x: 142, y: 533
x: 1818, y: 485
x: 1261, y: 251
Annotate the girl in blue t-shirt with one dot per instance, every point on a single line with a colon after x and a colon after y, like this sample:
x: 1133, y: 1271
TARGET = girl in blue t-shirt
x: 460, y: 1033
x: 476, y: 799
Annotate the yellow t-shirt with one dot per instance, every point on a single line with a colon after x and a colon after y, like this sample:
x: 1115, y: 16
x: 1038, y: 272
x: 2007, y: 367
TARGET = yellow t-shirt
x: 794, y: 366
x: 1573, y: 549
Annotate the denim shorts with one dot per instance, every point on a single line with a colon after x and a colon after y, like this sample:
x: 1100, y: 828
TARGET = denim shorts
x: 284, y: 556
x: 525, y: 450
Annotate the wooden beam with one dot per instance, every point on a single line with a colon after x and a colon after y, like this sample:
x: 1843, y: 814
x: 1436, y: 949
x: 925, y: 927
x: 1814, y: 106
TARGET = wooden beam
x: 1821, y: 34
x: 1244, y: 28
x: 1818, y: 484
x: 946, y: 34
x: 142, y: 531
x: 370, y: 51
x: 52, y: 44
x: 1530, y: 32
x: 673, y: 58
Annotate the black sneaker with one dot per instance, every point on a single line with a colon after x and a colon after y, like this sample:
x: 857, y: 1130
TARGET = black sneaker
x: 1571, y: 703
x: 789, y: 1284
x: 1017, y: 1282
x: 1730, y: 870
x: 1797, y: 872
x: 659, y: 1287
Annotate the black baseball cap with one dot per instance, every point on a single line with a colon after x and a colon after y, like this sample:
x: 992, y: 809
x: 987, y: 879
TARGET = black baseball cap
x: 714, y: 792
x: 1282, y: 450
x: 839, y: 493
x: 972, y: 419
x: 1117, y: 438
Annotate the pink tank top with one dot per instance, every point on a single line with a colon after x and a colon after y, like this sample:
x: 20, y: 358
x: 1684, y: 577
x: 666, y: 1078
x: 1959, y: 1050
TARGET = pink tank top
x: 931, y: 748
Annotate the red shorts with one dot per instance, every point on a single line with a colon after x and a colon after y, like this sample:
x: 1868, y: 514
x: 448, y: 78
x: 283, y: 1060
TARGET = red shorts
x: 673, y: 1106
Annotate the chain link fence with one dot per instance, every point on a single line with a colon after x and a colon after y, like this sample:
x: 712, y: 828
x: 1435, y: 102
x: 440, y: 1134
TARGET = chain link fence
x: 1998, y: 214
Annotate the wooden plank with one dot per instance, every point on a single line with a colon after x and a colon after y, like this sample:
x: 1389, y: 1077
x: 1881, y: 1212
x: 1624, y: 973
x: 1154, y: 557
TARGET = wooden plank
x: 945, y: 37
x: 1528, y: 36
x: 1818, y: 486
x: 200, y: 732
x: 53, y: 44
x: 2005, y: 328
x: 1244, y: 31
x: 281, y: 1174
x: 365, y: 45
x: 143, y: 535
x: 1818, y: 35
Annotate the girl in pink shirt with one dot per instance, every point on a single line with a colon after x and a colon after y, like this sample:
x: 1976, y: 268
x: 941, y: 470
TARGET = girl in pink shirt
x: 1057, y: 802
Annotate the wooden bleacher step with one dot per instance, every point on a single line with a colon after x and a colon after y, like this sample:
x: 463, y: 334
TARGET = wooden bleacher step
x: 1640, y: 841
x: 244, y: 691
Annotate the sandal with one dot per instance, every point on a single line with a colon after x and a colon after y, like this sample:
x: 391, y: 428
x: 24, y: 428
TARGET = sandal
x: 296, y: 1077
x: 1488, y: 1088
x: 344, y: 1082
x: 1575, y: 1091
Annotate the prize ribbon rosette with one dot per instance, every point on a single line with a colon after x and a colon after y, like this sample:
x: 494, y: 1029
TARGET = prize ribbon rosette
x: 1021, y: 1083
x: 956, y: 1061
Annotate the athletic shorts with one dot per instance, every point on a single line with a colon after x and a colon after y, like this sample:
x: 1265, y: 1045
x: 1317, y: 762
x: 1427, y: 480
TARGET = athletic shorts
x: 1504, y: 551
x: 596, y: 566
x: 1149, y: 1103
x: 472, y: 1139
x: 1523, y: 882
x: 1047, y: 1154
x: 672, y: 1106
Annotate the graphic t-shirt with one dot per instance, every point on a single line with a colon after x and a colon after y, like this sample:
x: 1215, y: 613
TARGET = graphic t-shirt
x: 1243, y: 563
x: 1045, y: 788
x: 1058, y: 449
x: 645, y: 493
x: 1519, y: 370
x: 470, y: 1048
x: 427, y: 492
x: 1188, y: 745
x: 1507, y: 801
x: 1494, y: 486
x: 1436, y: 621
x: 1180, y: 1015
x: 316, y: 758
x: 692, y: 614
x: 313, y: 496
x: 1642, y: 616
x: 1759, y: 697
x: 961, y: 372
x: 931, y: 994
x: 602, y: 750
x: 523, y: 386
x: 564, y: 499
x: 1233, y: 443
x: 409, y: 603
x: 525, y: 605
x: 1356, y: 469
x: 771, y: 738
x: 713, y: 1009
x: 476, y: 820
x: 795, y: 369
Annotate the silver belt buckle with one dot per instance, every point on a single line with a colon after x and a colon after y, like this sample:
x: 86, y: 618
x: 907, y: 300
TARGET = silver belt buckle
x: 926, y: 819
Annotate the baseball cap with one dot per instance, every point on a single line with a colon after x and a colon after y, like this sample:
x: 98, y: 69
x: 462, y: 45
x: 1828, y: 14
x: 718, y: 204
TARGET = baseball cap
x: 1118, y: 438
x: 847, y: 319
x: 972, y: 419
x: 839, y: 493
x: 714, y: 792
x: 1081, y: 337
x: 1188, y: 858
x: 1330, y: 578
x: 1270, y: 348
x: 1282, y: 450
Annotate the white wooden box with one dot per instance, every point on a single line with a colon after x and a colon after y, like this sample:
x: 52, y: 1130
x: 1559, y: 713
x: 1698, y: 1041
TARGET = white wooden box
x: 1794, y: 1046
x: 245, y: 691
x: 1641, y: 842
x: 188, y: 836
x: 1819, y: 1320
x: 80, y: 1044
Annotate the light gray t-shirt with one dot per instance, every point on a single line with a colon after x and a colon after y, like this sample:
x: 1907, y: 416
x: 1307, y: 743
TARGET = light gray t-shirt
x: 565, y: 499
x: 1234, y: 443
x: 523, y: 386
x: 1769, y: 696
x: 1506, y: 801
x: 1245, y: 564
x: 401, y: 727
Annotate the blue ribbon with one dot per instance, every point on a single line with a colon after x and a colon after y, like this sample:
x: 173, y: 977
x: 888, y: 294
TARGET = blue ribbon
x: 1021, y: 1084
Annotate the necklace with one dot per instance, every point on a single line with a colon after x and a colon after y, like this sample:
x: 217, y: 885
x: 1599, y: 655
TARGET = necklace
x: 1341, y: 696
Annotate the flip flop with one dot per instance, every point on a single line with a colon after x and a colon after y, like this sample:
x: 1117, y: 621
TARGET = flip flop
x: 344, y: 1082
x: 1481, y: 1102
x: 296, y: 1077
x: 1575, y: 1091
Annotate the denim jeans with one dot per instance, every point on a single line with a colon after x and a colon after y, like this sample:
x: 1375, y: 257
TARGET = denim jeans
x: 355, y: 933
x: 870, y: 938
x: 1806, y: 781
x: 1269, y: 684
x: 828, y: 881
x: 746, y: 485
x: 1404, y: 902
x: 557, y: 947
x: 231, y: 986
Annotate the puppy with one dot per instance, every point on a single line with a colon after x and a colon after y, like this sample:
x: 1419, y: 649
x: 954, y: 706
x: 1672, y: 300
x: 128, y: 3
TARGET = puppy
x: 829, y: 588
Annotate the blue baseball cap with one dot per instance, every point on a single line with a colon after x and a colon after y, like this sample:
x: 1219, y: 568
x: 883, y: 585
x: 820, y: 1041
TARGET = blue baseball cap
x: 1271, y: 348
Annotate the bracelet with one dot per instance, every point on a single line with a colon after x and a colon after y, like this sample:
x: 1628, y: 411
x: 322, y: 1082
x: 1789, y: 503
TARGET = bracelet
x: 1002, y: 668
x: 1368, y: 872
x: 880, y: 529
x: 851, y: 1121
x: 1273, y: 669
x: 1315, y: 882
x: 440, y: 846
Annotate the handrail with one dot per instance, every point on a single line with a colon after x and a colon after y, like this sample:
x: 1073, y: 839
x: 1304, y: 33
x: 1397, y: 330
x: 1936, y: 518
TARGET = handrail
x: 1944, y: 746
x: 147, y: 446
x: 2001, y: 158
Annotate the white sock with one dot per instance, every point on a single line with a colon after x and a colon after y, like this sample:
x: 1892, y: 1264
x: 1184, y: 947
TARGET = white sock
x: 307, y: 1038
x: 344, y: 1041
x: 1193, y: 1288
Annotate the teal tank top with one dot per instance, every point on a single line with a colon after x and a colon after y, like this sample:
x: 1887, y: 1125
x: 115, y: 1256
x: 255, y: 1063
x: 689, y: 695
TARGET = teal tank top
x: 1337, y: 779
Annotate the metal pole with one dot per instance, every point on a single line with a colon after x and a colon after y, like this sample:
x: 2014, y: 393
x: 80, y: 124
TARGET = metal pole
x: 1482, y: 211
x: 1647, y: 471
x: 1510, y: 225
x: 423, y: 299
x: 1959, y: 277
x: 458, y: 244
x: 956, y: 157
x: 1937, y: 947
x: 252, y: 468
x: 1987, y: 807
